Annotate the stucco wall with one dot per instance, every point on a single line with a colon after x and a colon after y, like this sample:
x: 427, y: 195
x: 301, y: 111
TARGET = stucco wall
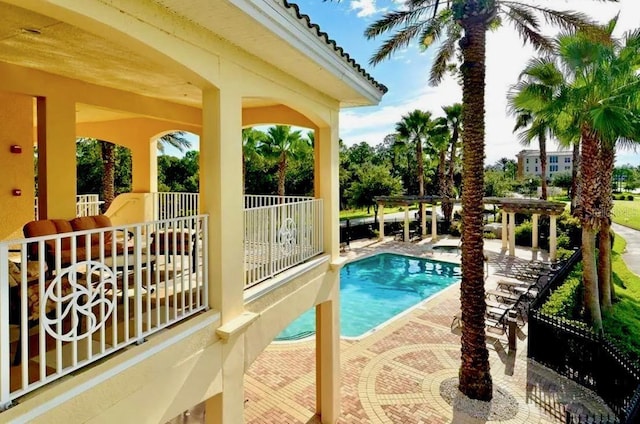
x: 16, y: 128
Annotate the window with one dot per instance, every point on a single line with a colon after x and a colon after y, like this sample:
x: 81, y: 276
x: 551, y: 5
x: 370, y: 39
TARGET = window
x: 536, y: 167
x: 553, y: 168
x: 553, y: 159
x: 567, y: 160
x: 567, y: 168
x: 527, y: 160
x: 536, y: 160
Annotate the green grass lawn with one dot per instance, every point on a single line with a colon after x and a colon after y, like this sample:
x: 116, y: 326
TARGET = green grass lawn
x: 627, y: 213
x: 623, y: 324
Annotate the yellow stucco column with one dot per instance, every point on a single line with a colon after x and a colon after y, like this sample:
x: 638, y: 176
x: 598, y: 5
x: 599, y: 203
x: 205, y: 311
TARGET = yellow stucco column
x: 381, y: 221
x: 328, y: 355
x: 327, y: 185
x: 504, y: 230
x: 56, y: 157
x: 512, y: 233
x: 434, y: 223
x: 406, y: 224
x: 553, y: 244
x: 144, y: 161
x: 534, y: 231
x: 228, y: 407
x: 222, y: 199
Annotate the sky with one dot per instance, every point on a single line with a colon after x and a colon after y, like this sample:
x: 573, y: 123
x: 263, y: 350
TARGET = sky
x: 406, y: 74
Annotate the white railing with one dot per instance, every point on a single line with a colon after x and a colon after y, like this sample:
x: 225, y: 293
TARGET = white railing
x: 279, y: 235
x: 86, y: 205
x: 259, y: 200
x: 175, y: 205
x: 70, y: 299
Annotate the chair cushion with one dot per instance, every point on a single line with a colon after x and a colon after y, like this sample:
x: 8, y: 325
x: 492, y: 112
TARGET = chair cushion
x: 47, y: 227
x: 91, y: 223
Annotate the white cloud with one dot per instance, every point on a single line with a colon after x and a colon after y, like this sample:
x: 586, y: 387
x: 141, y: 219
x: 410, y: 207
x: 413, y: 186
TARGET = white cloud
x: 365, y: 7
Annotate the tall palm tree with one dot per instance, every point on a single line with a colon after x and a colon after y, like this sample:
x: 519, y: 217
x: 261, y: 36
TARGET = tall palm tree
x: 280, y: 145
x: 463, y: 24
x: 453, y: 116
x: 414, y: 129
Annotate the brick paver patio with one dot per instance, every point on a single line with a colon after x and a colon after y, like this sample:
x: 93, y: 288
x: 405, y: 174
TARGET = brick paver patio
x: 394, y: 374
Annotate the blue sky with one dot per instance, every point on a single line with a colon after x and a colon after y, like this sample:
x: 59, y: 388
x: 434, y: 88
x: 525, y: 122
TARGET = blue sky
x: 406, y: 73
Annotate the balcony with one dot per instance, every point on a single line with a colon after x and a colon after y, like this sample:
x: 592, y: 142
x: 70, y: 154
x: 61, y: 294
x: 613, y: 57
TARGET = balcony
x: 68, y: 300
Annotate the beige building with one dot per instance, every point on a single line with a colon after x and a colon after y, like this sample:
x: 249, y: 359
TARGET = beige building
x: 164, y: 303
x: 557, y: 162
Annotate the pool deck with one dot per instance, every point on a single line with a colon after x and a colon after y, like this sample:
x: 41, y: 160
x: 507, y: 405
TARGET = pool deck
x: 394, y: 374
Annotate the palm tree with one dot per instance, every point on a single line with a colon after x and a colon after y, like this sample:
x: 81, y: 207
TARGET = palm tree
x: 281, y: 145
x: 539, y: 85
x: 463, y: 24
x: 414, y: 129
x: 251, y: 139
x: 453, y: 114
x: 600, y: 99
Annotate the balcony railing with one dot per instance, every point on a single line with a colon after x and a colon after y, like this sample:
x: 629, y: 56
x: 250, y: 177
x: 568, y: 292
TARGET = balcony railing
x: 279, y: 233
x: 175, y: 205
x: 70, y: 299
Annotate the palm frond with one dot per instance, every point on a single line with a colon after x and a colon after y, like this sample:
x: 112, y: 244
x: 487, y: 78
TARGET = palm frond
x: 445, y: 54
x: 397, y: 41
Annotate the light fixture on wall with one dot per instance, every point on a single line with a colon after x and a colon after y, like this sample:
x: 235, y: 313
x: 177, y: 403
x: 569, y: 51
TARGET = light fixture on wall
x: 16, y: 192
x: 15, y: 148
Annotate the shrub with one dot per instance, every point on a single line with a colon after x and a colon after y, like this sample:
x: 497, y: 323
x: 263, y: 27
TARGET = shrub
x: 563, y: 241
x: 523, y: 234
x: 566, y: 300
x: 489, y: 235
x: 563, y: 254
x: 630, y: 197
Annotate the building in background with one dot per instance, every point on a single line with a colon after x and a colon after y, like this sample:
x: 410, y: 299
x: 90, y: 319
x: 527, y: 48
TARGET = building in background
x: 557, y: 162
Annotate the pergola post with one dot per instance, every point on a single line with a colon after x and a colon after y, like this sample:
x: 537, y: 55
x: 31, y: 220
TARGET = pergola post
x: 552, y: 238
x: 434, y: 223
x: 504, y: 230
x: 423, y: 218
x: 406, y: 223
x: 512, y: 233
x: 534, y: 231
x: 381, y: 221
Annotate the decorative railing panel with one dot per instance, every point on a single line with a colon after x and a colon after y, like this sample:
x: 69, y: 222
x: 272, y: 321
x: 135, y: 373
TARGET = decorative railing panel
x: 70, y: 299
x: 279, y: 233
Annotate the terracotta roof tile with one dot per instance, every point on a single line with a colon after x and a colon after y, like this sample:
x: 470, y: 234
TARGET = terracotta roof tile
x: 315, y: 28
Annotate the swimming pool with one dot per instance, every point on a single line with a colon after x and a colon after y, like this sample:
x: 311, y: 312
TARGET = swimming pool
x: 377, y: 288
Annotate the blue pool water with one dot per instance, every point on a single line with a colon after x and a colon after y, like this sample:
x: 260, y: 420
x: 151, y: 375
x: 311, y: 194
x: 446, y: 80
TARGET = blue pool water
x: 375, y: 289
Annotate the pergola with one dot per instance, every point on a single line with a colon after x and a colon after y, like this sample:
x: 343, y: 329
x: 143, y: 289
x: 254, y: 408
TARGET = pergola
x: 407, y: 201
x: 509, y: 206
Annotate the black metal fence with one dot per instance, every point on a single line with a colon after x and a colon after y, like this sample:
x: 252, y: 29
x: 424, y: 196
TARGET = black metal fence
x: 574, y: 351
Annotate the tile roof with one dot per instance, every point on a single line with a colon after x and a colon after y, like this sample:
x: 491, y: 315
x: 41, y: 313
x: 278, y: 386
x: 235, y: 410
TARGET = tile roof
x: 332, y: 43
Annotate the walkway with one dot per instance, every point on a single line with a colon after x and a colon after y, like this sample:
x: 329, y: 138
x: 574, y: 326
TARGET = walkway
x: 395, y: 374
x: 631, y: 255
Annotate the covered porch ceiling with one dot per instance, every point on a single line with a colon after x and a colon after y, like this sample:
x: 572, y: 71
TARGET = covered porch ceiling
x: 32, y: 40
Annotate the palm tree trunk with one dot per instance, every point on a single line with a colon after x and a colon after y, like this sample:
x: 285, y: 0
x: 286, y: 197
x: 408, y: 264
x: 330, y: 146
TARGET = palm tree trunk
x: 442, y: 177
x: 108, y: 151
x: 575, y: 169
x: 589, y: 215
x: 447, y: 207
x: 607, y: 161
x: 475, y: 377
x: 282, y: 171
x: 420, y: 181
x: 543, y: 166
